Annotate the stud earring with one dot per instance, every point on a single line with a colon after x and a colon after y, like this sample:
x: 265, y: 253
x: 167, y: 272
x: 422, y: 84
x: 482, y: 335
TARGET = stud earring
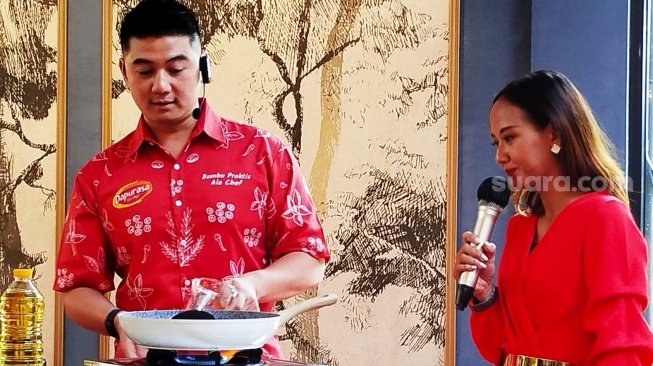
x: 555, y: 149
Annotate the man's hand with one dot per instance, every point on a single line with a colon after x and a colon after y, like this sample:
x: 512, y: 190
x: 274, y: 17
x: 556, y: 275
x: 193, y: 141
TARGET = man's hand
x: 238, y: 294
x: 128, y: 348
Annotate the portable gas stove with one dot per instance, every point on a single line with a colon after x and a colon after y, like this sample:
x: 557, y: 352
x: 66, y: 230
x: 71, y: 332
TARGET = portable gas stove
x: 171, y: 358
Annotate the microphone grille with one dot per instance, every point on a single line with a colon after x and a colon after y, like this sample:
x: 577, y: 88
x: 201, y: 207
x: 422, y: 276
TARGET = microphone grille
x: 490, y: 204
x: 494, y: 191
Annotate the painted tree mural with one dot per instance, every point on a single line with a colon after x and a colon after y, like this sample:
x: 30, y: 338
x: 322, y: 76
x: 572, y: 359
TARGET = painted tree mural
x: 390, y: 235
x: 359, y: 90
x: 29, y: 62
x: 28, y: 89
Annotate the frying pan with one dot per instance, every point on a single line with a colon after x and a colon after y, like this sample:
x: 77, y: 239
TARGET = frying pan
x: 230, y: 330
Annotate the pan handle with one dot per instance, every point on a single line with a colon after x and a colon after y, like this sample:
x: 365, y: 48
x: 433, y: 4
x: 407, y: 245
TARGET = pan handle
x: 308, y: 305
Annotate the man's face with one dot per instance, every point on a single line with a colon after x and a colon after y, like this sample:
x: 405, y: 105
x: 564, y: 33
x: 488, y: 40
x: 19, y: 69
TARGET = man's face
x: 162, y: 74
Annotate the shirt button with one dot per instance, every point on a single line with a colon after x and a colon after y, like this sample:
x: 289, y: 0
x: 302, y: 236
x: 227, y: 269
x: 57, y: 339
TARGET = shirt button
x: 176, y: 166
x: 178, y: 203
x: 182, y: 242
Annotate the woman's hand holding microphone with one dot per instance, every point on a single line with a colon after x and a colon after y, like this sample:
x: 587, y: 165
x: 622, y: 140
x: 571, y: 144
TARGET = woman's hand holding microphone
x: 474, y: 255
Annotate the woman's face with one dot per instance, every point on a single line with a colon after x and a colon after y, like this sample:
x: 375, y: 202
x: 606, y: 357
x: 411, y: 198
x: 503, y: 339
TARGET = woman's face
x: 523, y: 151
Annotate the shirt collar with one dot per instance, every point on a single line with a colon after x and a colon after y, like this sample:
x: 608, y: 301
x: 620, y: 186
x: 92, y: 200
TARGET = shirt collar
x: 209, y: 123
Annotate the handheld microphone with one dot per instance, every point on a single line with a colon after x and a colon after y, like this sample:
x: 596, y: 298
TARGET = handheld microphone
x: 493, y: 196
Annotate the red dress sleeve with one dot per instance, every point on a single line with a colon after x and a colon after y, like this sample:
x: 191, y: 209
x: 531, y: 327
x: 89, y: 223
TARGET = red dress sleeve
x: 488, y: 326
x: 615, y: 266
x: 486, y: 329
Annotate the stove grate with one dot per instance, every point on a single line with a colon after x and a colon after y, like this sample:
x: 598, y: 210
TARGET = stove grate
x: 157, y: 357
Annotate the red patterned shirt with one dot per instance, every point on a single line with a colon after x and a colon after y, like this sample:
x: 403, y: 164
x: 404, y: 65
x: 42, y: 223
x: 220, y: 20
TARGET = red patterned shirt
x: 232, y: 202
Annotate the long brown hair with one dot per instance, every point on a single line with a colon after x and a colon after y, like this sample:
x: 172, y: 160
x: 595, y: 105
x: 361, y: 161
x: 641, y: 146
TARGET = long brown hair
x: 549, y: 97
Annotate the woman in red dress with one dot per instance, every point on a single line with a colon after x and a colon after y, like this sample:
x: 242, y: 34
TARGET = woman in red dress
x: 572, y: 283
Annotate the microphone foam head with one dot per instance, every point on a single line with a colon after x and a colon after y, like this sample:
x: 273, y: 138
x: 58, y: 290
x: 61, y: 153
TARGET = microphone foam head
x: 197, y: 112
x: 494, y: 190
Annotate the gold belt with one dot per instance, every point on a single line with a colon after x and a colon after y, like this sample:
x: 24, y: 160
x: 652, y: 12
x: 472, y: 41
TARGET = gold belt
x: 519, y: 360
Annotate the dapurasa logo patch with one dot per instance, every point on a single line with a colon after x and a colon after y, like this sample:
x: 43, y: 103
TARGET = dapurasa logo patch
x: 132, y: 194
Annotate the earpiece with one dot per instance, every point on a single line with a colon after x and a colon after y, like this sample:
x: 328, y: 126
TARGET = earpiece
x: 205, y: 69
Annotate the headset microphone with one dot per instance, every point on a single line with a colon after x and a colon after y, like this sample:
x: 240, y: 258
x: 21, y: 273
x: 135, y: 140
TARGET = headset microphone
x: 197, y: 112
x: 205, y: 71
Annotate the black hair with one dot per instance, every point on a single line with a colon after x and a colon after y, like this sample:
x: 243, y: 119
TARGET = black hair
x: 156, y: 18
x: 539, y: 94
x: 551, y: 98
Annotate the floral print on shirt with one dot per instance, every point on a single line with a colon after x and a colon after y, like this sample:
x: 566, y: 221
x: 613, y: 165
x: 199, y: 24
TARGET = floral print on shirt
x: 233, y: 201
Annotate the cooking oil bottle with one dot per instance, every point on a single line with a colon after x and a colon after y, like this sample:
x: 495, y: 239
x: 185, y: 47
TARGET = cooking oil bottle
x: 21, y: 314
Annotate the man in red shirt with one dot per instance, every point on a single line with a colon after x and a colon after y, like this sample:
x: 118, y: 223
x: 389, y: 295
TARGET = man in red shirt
x: 186, y: 194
